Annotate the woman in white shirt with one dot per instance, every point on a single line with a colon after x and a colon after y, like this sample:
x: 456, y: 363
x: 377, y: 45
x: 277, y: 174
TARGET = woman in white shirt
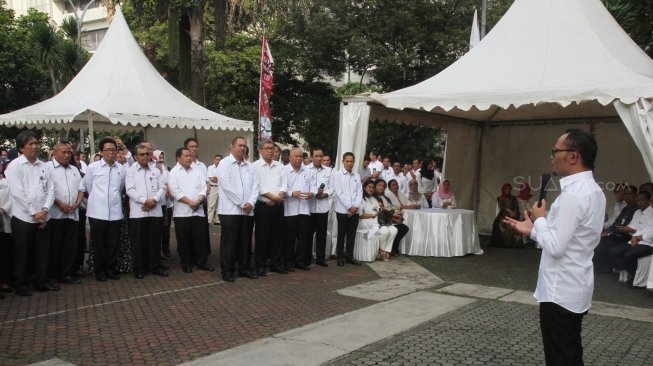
x: 369, y: 222
x: 426, y: 180
x: 414, y: 197
x: 397, y: 198
x: 444, y: 197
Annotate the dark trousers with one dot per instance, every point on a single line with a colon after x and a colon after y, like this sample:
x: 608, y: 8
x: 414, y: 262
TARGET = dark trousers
x: 191, y: 240
x: 561, y: 335
x: 319, y: 222
x: 625, y: 256
x: 602, y: 259
x: 235, y: 243
x: 346, y: 228
x: 165, y: 230
x: 31, y: 246
x: 81, y: 240
x: 297, y: 242
x: 106, y: 240
x: 6, y: 258
x: 402, y: 230
x: 64, y: 247
x: 269, y: 235
x: 146, y: 244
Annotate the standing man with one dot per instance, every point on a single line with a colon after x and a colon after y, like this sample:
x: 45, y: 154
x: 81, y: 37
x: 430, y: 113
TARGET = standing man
x: 348, y: 190
x: 568, y: 235
x: 212, y: 205
x: 32, y: 195
x: 297, y: 213
x: 64, y: 216
x: 376, y: 166
x: 320, y: 204
x: 187, y: 182
x: 268, y: 212
x: 194, y: 147
x: 104, y: 182
x: 238, y: 190
x: 145, y: 187
x: 388, y: 172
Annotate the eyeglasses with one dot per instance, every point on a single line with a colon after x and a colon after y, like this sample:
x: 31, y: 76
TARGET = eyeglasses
x: 555, y: 150
x: 143, y: 154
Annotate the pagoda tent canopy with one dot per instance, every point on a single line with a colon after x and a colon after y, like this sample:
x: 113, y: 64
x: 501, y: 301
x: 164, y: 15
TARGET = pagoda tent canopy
x: 120, y: 89
x: 546, y: 66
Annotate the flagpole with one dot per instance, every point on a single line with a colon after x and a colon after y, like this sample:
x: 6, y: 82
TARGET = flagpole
x: 260, y: 87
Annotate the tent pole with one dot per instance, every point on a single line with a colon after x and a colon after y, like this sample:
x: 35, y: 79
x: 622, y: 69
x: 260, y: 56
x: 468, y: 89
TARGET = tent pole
x: 477, y: 178
x: 483, y: 18
x: 91, y: 135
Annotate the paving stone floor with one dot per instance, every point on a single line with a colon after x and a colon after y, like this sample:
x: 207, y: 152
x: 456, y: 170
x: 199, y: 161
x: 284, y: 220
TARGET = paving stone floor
x: 491, y: 332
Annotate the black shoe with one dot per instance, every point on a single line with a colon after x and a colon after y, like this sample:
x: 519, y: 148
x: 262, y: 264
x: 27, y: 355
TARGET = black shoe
x: 205, y: 267
x: 228, y: 277
x: 353, y: 261
x: 6, y: 290
x: 322, y: 263
x: 165, y: 256
x: 161, y: 272
x: 100, y: 276
x: 113, y: 275
x: 341, y: 262
x: 249, y: 274
x: 290, y: 268
x: 303, y: 267
x: 70, y: 280
x: 23, y: 291
x: 262, y: 273
x: 279, y: 270
x: 187, y: 269
x: 139, y: 275
x: 47, y: 287
x: 163, y: 267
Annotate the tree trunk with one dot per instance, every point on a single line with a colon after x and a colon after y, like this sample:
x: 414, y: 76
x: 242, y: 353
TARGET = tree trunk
x: 196, y: 17
x: 220, y: 9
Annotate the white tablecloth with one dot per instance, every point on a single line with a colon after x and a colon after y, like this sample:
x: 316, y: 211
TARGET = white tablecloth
x: 437, y: 232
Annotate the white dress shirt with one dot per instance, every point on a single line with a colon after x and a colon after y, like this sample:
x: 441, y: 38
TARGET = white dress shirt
x: 425, y: 185
x: 67, y: 185
x: 104, y: 184
x: 297, y: 181
x: 271, y: 178
x: 189, y: 183
x: 202, y: 167
x: 404, y: 180
x: 568, y: 235
x: 31, y: 188
x: 238, y: 186
x: 142, y: 184
x: 387, y: 174
x: 437, y: 201
x: 320, y: 176
x: 212, y: 171
x: 5, y: 205
x: 348, y: 190
x: 616, y: 210
x: 642, y: 222
x: 375, y: 166
x: 82, y: 166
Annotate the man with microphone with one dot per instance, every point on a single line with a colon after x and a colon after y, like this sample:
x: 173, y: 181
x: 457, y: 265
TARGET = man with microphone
x: 568, y: 235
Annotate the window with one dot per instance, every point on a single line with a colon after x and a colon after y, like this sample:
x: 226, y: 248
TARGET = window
x: 91, y: 39
x: 79, y: 4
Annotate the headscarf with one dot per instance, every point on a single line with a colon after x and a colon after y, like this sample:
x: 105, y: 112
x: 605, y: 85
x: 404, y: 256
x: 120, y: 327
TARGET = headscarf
x: 156, y: 154
x: 503, y: 188
x: 413, y: 194
x: 441, y: 190
x: 524, y: 192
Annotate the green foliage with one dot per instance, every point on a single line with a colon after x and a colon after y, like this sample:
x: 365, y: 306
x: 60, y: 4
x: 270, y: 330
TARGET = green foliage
x: 405, y: 142
x: 68, y: 28
x: 353, y: 88
x: 636, y: 18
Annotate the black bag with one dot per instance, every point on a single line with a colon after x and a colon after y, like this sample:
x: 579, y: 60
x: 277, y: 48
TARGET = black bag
x: 385, y: 218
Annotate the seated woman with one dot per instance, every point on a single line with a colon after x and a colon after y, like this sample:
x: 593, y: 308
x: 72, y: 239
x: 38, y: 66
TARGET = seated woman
x: 397, y: 198
x: 397, y: 217
x: 507, y: 206
x: 414, y: 197
x: 444, y: 197
x: 369, y: 221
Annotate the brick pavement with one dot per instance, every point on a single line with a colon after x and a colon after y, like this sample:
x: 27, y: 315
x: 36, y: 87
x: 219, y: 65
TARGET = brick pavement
x: 167, y: 321
x: 491, y: 332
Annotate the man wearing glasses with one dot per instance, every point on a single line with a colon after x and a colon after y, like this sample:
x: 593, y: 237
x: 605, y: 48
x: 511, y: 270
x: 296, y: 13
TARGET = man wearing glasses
x: 104, y: 181
x: 568, y: 235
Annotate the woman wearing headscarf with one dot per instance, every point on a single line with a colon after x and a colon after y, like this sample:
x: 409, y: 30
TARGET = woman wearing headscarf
x: 414, y: 197
x: 426, y: 180
x: 507, y: 206
x: 444, y: 197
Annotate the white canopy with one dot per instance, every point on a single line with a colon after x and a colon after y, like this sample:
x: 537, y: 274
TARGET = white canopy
x: 119, y: 88
x: 546, y: 62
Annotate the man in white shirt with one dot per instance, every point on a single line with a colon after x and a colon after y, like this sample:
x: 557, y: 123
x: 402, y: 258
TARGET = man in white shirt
x: 145, y: 187
x: 238, y: 193
x: 388, y: 172
x: 348, y: 191
x: 297, y: 213
x: 32, y: 195
x: 376, y: 166
x: 104, y: 182
x: 268, y: 211
x: 193, y: 146
x: 187, y: 182
x: 319, y: 205
x: 568, y: 235
x: 624, y: 255
x: 212, y: 176
x: 326, y: 161
x: 64, y: 215
x: 365, y: 171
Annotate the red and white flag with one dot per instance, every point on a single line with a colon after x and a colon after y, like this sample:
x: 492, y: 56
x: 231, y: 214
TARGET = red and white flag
x: 265, y: 93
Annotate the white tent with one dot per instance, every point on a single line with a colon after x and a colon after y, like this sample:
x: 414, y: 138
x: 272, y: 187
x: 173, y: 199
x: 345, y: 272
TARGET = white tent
x: 120, y: 89
x: 546, y: 66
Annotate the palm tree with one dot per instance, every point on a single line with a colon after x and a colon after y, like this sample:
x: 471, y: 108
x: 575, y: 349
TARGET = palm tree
x: 48, y: 50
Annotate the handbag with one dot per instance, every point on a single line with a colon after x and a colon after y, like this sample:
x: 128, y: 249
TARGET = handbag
x: 385, y: 218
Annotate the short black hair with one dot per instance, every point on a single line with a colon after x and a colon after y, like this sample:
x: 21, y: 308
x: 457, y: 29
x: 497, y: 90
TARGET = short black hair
x: 188, y: 140
x: 23, y: 138
x: 584, y: 144
x: 345, y: 155
x: 646, y: 194
x: 180, y: 151
x: 107, y: 140
x: 316, y: 148
x: 365, y: 158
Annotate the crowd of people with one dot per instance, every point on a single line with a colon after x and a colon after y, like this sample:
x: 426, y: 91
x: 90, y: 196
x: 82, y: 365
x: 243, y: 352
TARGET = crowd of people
x: 131, y: 198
